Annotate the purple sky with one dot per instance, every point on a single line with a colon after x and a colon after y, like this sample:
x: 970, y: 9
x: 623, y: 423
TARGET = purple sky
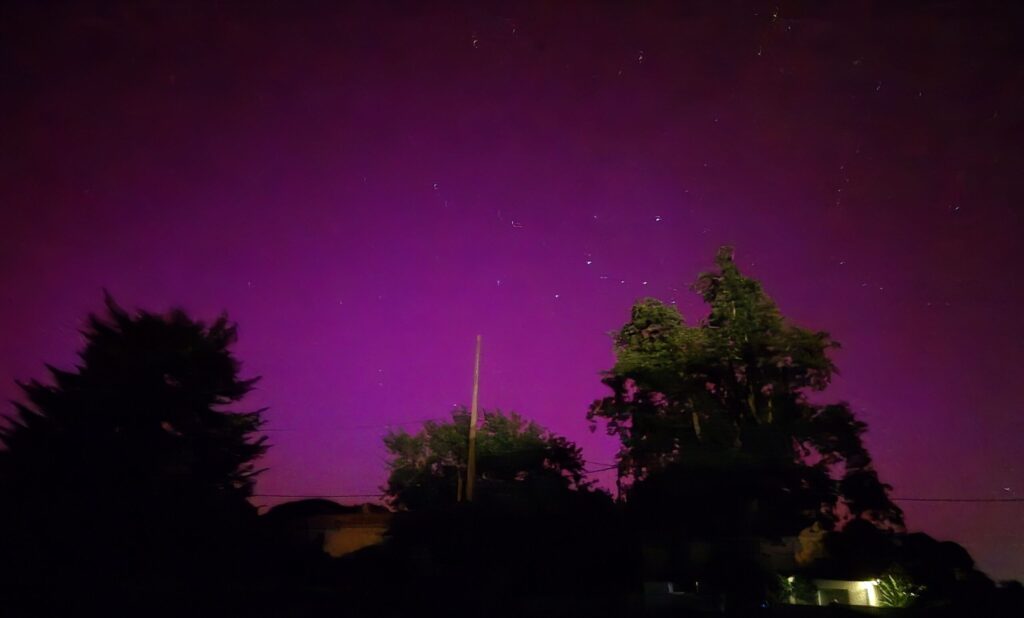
x: 365, y: 189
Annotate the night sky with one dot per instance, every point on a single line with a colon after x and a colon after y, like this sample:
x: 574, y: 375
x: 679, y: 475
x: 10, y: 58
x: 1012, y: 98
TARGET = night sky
x: 365, y: 189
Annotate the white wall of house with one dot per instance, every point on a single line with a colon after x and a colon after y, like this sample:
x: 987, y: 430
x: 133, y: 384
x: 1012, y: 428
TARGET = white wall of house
x: 847, y: 592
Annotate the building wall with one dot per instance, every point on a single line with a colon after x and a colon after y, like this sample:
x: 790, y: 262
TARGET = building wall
x: 780, y: 555
x: 846, y: 592
x: 345, y: 540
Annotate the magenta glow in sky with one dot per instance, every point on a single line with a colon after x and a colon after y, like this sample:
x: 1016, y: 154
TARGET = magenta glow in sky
x: 365, y: 189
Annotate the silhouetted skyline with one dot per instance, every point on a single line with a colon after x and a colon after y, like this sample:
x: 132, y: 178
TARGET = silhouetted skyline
x: 365, y: 189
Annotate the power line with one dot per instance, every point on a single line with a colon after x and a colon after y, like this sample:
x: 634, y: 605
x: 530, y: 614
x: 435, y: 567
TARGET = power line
x: 354, y: 427
x: 610, y: 467
x: 959, y: 499
x: 371, y: 495
x: 317, y: 495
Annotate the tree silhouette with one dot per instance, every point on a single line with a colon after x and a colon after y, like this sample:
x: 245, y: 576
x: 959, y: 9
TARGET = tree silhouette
x: 534, y: 525
x: 132, y: 462
x: 514, y: 455
x: 719, y: 414
x: 720, y: 443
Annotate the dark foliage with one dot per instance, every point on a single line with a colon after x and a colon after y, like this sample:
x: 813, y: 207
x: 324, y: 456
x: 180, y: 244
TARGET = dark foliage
x: 516, y: 459
x: 128, y: 475
x: 942, y: 574
x: 497, y: 558
x: 721, y: 443
x: 719, y: 415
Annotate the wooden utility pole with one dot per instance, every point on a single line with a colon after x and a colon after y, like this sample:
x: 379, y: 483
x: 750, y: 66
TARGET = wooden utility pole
x: 471, y: 458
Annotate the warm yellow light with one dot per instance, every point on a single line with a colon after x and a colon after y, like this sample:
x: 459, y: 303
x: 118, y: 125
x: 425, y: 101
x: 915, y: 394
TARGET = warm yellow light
x: 871, y: 588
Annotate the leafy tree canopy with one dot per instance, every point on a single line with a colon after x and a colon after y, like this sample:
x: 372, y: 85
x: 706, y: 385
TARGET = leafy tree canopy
x: 146, y: 401
x: 720, y: 411
x: 513, y: 455
x: 137, y: 445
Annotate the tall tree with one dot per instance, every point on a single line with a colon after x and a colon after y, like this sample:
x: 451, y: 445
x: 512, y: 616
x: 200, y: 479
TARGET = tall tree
x: 512, y: 454
x: 534, y: 523
x: 133, y: 459
x: 721, y: 411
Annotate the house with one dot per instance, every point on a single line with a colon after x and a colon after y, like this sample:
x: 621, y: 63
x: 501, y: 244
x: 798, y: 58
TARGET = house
x: 780, y: 555
x: 336, y: 529
x: 847, y: 592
